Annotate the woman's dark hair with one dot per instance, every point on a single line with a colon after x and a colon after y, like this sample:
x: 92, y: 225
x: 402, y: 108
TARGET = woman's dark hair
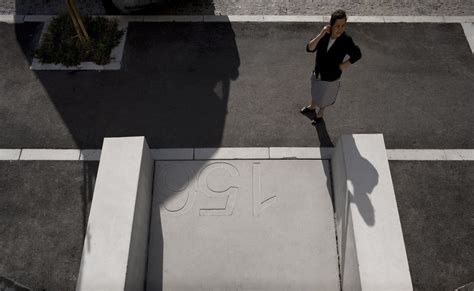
x: 338, y: 14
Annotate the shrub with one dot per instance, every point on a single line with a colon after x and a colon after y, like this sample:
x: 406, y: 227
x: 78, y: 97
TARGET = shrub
x: 60, y: 43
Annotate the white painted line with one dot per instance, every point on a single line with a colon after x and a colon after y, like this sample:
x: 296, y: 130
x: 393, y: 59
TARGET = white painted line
x: 172, y: 154
x: 292, y: 18
x: 50, y: 155
x: 416, y: 155
x: 126, y: 18
x: 301, y: 153
x: 12, y: 18
x: 173, y: 18
x: 458, y: 19
x: 469, y: 32
x: 413, y: 19
x: 90, y: 155
x: 459, y: 155
x: 365, y: 19
x: 9, y: 154
x: 236, y: 153
x: 38, y: 18
x: 231, y: 153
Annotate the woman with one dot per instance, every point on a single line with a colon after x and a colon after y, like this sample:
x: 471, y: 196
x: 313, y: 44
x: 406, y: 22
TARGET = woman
x: 332, y: 45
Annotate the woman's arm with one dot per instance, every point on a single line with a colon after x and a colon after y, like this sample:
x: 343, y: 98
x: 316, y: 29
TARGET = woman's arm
x: 312, y: 44
x: 354, y: 55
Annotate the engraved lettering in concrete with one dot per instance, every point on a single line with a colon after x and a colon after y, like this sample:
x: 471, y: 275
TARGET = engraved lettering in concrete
x: 259, y: 203
x: 179, y: 199
x: 216, y: 190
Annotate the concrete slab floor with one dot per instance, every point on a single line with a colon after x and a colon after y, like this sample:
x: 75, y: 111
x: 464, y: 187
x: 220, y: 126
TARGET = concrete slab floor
x: 242, y: 225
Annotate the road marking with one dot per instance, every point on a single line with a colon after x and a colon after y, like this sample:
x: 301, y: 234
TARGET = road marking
x: 263, y: 153
x: 50, y: 154
x: 12, y: 18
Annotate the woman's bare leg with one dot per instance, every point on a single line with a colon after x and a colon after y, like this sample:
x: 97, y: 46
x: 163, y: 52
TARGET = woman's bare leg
x: 320, y: 113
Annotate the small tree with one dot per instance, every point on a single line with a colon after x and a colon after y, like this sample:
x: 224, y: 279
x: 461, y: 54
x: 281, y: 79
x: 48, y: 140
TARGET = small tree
x: 77, y: 20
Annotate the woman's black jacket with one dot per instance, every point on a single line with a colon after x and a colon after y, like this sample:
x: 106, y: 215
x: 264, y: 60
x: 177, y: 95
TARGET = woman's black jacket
x: 327, y: 62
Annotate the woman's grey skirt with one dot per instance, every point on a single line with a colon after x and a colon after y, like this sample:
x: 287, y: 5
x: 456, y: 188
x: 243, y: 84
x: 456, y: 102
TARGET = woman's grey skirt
x: 324, y: 93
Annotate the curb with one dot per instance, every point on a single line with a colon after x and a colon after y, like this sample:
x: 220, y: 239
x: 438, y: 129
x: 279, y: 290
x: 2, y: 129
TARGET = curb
x: 12, y: 18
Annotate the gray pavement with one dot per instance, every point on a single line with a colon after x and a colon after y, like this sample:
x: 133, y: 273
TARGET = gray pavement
x: 435, y: 203
x: 241, y: 85
x: 44, y: 208
x: 237, y: 85
x: 269, y: 7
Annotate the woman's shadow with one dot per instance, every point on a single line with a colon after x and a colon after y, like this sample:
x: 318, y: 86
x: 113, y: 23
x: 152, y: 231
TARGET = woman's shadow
x: 363, y: 180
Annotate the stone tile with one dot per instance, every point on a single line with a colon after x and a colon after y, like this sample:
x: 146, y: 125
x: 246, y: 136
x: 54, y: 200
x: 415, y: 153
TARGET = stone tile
x: 366, y: 19
x: 459, y: 19
x: 12, y: 18
x: 38, y: 18
x: 90, y: 155
x: 173, y: 154
x: 50, y: 155
x: 10, y: 154
x: 293, y: 18
x: 173, y: 18
x: 300, y: 153
x: 459, y: 155
x: 231, y: 153
x: 416, y: 155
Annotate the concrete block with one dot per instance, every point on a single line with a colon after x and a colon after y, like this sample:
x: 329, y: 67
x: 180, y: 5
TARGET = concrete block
x: 469, y: 32
x: 242, y: 225
x: 51, y: 155
x: 9, y: 154
x: 371, y: 246
x: 216, y: 18
x: 416, y: 155
x: 90, y: 155
x: 231, y: 153
x: 459, y: 155
x: 293, y: 18
x: 459, y: 19
x: 116, y: 243
x: 246, y: 18
x: 12, y: 18
x: 300, y: 153
x: 173, y: 18
x: 173, y: 154
x: 38, y: 18
x: 365, y: 19
x: 116, y: 55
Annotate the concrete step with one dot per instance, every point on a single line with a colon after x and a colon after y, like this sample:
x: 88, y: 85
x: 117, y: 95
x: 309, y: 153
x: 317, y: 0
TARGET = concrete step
x: 242, y: 224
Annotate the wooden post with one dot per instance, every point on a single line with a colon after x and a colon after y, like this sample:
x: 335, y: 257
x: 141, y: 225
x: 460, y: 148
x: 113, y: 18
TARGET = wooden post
x: 77, y: 20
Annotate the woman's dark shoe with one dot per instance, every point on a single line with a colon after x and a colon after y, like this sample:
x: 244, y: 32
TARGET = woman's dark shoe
x: 316, y: 120
x: 306, y: 109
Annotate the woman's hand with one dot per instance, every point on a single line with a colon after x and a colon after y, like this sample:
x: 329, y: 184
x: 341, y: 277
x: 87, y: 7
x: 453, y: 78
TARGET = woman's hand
x: 344, y: 65
x: 326, y: 30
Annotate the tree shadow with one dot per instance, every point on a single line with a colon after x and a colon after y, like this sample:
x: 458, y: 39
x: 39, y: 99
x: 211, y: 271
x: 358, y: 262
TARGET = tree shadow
x: 173, y: 88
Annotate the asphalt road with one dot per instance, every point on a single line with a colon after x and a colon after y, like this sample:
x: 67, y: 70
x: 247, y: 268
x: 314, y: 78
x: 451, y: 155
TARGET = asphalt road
x: 236, y: 85
x: 241, y: 85
x: 435, y: 204
x: 44, y: 207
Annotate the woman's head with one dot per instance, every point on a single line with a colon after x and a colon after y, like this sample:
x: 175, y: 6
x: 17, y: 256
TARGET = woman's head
x: 338, y: 23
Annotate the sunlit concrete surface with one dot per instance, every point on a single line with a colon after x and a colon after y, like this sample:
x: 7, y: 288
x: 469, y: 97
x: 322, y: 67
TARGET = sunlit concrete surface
x: 242, y: 225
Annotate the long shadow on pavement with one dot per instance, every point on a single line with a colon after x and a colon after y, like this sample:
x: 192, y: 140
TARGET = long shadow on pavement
x: 173, y: 89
